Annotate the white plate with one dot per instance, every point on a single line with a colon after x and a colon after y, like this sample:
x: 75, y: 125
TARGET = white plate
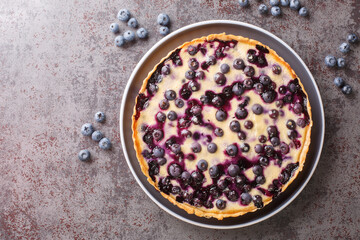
x: 175, y: 39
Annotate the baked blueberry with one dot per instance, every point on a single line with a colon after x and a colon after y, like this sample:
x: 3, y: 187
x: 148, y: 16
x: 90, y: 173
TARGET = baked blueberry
x: 222, y: 183
x: 232, y: 150
x: 262, y: 139
x: 202, y: 165
x: 170, y: 94
x: 238, y: 89
x: 172, y: 116
x: 194, y: 86
x: 233, y: 170
x: 241, y: 113
x: 269, y: 150
x: 248, y: 124
x: 297, y: 108
x: 114, y: 27
x: 276, y: 69
x: 352, y: 38
x: 272, y: 131
x: 290, y: 124
x: 158, y: 152
x: 241, y: 135
x: 244, y: 147
x: 132, y: 23
x: 234, y: 126
x: 220, y: 115
x: 129, y: 36
x: 193, y: 64
x: 301, y: 122
x: 142, y: 33
x: 245, y: 198
x: 221, y: 204
x: 220, y: 78
x: 196, y: 147
x: 273, y: 113
x: 284, y: 148
x: 175, y: 148
x: 248, y: 83
x: 292, y: 134
x: 175, y: 170
x: 212, y: 147
x: 157, y: 134
x: 347, y: 89
x: 344, y: 47
x: 217, y: 101
x: 200, y: 75
x: 249, y: 71
x: 259, y: 88
x: 330, y: 61
x: 105, y: 144
x: 275, y: 141
x: 190, y: 74
x: 275, y: 11
x: 165, y: 69
x: 224, y: 68
x: 161, y: 117
x: 84, y: 155
x: 192, y: 50
x: 163, y: 19
x: 197, y: 177
x: 257, y: 170
x: 179, y: 103
x: 258, y: 148
x: 164, y: 104
x: 263, y: 161
x: 161, y: 161
x: 219, y: 132
x: 214, y: 171
x: 265, y: 79
x: 295, y: 5
x: 260, y: 179
x: 258, y: 201
x: 268, y: 96
x: 96, y: 136
x: 123, y: 15
x: 239, y: 64
x: 257, y: 109
x: 87, y: 129
x: 263, y: 9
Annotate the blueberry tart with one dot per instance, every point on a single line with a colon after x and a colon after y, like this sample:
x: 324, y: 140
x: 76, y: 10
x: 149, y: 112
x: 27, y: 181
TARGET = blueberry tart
x: 221, y: 126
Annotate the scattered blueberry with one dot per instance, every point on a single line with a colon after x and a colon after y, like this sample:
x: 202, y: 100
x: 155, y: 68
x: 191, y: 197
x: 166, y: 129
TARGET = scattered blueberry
x: 114, y: 27
x: 264, y: 161
x: 174, y: 170
x: 99, y: 117
x: 274, y: 2
x: 158, y: 152
x: 175, y: 148
x: 219, y: 132
x: 245, y: 198
x: 285, y: 3
x: 161, y: 117
x: 119, y: 41
x: 244, y: 3
x: 220, y: 115
x: 170, y: 94
x: 241, y: 113
x: 221, y: 204
x: 249, y: 71
x: 232, y: 150
x: 258, y: 148
x: 87, y: 129
x: 172, y: 116
x: 220, y: 78
x: 129, y: 36
x: 84, y: 155
x: 164, y: 30
x: 344, y: 47
x: 330, y: 61
x: 273, y: 113
x: 179, y: 103
x: 276, y: 69
x: 238, y: 89
x: 239, y: 64
x: 245, y: 147
x: 241, y: 135
x: 202, y: 165
x: 142, y: 33
x: 132, y: 23
x: 248, y: 124
x: 161, y: 161
x: 303, y: 12
x: 196, y: 147
x: 339, y: 82
x: 263, y: 9
x: 96, y: 136
x: 164, y: 104
x: 257, y: 109
x: 233, y: 170
x: 275, y: 11
x: 284, y: 148
x: 234, y: 126
x: 347, y: 89
x: 224, y: 68
x: 295, y: 4
x: 123, y: 15
x: 105, y: 144
x: 212, y: 147
x: 340, y: 62
x: 165, y: 69
x: 352, y: 38
x: 275, y: 141
x: 214, y: 171
x: 163, y: 19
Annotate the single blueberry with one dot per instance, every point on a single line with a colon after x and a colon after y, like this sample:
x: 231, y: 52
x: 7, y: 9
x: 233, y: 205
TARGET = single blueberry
x: 163, y: 19
x: 114, y: 27
x: 87, y: 129
x: 274, y: 2
x: 238, y: 89
x: 233, y: 170
x: 285, y: 3
x: 259, y: 88
x: 219, y: 132
x: 352, y: 38
x: 172, y: 116
x: 164, y: 30
x: 200, y: 75
x: 196, y: 147
x: 272, y: 131
x: 220, y: 78
x: 330, y: 61
x: 248, y: 124
x: 232, y: 196
x: 119, y: 41
x: 212, y: 147
x: 284, y: 148
x: 190, y: 74
x: 158, y: 152
x: 164, y: 104
x: 123, y: 15
x: 344, y: 47
x: 222, y: 183
x: 132, y: 23
x: 234, y: 126
x: 96, y: 136
x: 239, y: 64
x: 175, y: 148
x: 193, y: 64
x: 161, y: 117
x: 260, y: 179
x: 175, y: 190
x: 224, y: 68
x: 268, y: 96
x: 295, y: 4
x: 340, y: 62
x: 220, y: 115
x: 142, y: 33
x: 161, y: 161
x: 179, y: 103
x: 214, y: 171
x: 99, y: 117
x: 276, y: 69
x: 301, y: 122
x: 197, y: 177
x: 263, y: 161
x: 282, y: 89
x: 265, y: 79
x: 105, y: 144
x: 196, y: 110
x: 194, y: 86
x: 257, y: 109
x: 246, y: 198
x: 258, y: 201
x: 185, y: 177
x: 262, y: 139
x: 248, y: 83
x: 339, y: 82
x: 129, y: 36
x: 244, y: 3
x: 292, y: 134
x: 249, y: 71
x: 275, y: 11
x: 232, y: 150
x: 170, y: 94
x: 217, y: 101
x: 263, y: 9
x: 241, y: 113
x: 303, y: 12
x: 242, y: 135
x: 202, y: 165
x: 347, y: 89
x: 245, y: 147
x: 258, y: 148
x: 290, y: 124
x: 84, y: 155
x: 273, y: 113
x: 275, y: 141
x: 175, y: 170
x: 221, y: 204
x: 192, y: 50
x: 297, y: 108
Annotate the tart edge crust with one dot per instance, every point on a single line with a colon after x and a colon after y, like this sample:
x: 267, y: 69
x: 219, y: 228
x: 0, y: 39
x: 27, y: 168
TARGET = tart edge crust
x: 215, y: 213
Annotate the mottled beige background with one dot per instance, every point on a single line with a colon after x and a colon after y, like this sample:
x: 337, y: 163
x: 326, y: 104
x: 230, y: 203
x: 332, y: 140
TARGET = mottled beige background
x: 58, y: 66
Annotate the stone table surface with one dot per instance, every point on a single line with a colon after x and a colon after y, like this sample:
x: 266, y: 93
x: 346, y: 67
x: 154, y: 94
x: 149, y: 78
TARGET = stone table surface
x: 58, y: 66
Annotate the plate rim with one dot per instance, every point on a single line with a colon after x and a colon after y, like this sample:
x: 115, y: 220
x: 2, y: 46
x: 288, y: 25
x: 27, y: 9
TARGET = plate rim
x: 122, y: 109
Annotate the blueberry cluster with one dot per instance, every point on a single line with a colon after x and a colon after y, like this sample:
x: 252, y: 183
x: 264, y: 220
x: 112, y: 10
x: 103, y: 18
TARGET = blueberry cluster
x: 88, y: 130
x: 163, y: 20
x: 340, y: 62
x: 128, y: 36
x: 275, y: 9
